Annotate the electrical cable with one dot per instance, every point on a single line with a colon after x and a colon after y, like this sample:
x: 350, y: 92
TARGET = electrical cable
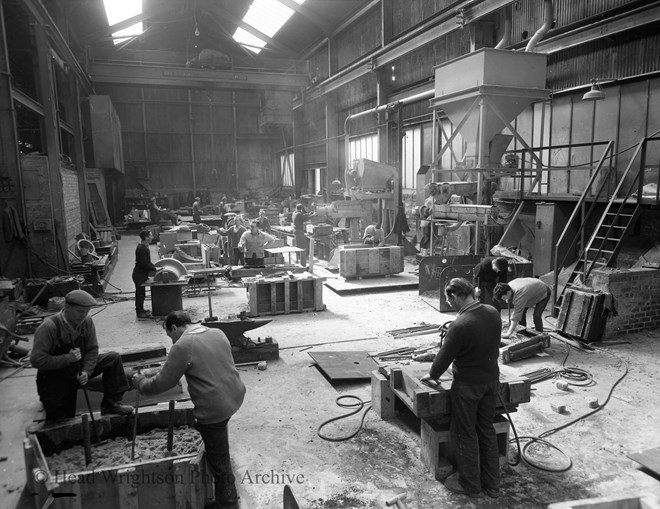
x: 359, y: 405
x: 576, y: 374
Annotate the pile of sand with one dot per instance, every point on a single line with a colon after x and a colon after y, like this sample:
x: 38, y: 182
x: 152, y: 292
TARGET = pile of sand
x: 117, y: 452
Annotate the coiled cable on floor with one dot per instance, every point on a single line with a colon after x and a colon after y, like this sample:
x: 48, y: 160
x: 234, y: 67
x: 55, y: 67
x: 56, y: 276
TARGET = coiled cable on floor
x: 358, y: 406
x: 524, y: 453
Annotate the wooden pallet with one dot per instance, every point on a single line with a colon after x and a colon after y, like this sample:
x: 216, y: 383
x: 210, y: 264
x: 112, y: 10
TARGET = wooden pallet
x: 284, y: 295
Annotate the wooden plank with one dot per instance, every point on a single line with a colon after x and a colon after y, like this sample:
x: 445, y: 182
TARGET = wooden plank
x: 252, y: 299
x: 273, y: 297
x: 318, y: 295
x: 127, y: 490
x: 300, y: 296
x: 287, y: 296
x: 374, y: 261
x: 382, y: 397
x: 70, y: 486
x: 182, y: 490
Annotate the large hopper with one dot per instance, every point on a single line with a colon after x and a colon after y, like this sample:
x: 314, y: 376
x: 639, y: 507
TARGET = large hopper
x: 481, y: 90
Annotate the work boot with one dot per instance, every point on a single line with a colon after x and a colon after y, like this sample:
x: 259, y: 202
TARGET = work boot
x: 491, y: 492
x: 114, y: 407
x: 454, y: 485
x: 144, y: 314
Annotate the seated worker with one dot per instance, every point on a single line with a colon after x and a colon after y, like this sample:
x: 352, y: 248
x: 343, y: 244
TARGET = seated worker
x: 487, y: 273
x: 253, y: 243
x: 373, y: 235
x: 66, y: 356
x: 523, y: 293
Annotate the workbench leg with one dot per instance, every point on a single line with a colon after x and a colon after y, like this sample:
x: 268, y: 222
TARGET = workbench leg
x: 434, y: 449
x: 382, y: 396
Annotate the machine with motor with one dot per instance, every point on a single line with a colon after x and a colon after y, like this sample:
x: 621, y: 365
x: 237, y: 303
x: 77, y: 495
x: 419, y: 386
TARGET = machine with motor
x: 371, y: 190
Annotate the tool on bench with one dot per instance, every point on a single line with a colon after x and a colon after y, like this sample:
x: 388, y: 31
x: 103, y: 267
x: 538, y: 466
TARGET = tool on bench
x: 397, y: 501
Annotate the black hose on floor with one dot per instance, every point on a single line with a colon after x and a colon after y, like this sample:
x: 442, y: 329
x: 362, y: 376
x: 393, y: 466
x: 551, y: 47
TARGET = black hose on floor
x: 358, y: 405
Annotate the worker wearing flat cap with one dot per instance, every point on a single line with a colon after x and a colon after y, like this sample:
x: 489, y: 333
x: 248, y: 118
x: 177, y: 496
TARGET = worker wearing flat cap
x: 66, y: 356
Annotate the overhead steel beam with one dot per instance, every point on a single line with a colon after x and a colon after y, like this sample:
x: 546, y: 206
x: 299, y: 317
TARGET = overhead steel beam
x: 147, y: 75
x: 417, y: 38
x: 309, y: 14
x: 610, y: 26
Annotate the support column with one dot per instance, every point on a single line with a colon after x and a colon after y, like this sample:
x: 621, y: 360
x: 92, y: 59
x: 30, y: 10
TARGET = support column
x: 334, y: 170
x: 14, y: 261
x: 51, y: 131
x: 298, y: 150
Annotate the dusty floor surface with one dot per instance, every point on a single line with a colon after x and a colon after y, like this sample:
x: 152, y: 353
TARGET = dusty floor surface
x: 274, y: 437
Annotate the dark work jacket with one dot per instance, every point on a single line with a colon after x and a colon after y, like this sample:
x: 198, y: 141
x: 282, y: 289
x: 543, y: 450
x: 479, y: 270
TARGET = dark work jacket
x: 143, y: 264
x: 484, y: 271
x: 473, y: 344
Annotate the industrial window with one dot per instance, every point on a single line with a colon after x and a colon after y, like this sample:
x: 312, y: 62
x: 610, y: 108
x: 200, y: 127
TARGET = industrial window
x: 286, y: 170
x: 119, y: 10
x: 364, y: 147
x: 411, y: 155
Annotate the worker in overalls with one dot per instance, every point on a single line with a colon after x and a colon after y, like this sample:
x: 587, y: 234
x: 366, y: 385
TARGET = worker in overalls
x: 66, y: 356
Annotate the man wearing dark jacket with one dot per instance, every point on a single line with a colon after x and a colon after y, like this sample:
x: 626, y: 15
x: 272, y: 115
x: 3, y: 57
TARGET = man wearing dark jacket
x: 472, y: 343
x: 487, y: 273
x: 66, y: 355
x: 141, y: 271
x: 298, y: 219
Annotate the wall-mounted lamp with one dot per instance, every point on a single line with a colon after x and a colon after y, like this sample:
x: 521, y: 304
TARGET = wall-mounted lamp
x: 595, y: 94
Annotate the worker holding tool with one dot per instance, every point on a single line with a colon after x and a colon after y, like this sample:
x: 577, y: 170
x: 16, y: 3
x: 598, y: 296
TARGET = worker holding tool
x: 253, y: 243
x: 143, y: 267
x: 66, y: 355
x: 204, y: 356
x: 472, y: 343
x: 523, y: 293
x: 373, y: 235
x: 487, y: 273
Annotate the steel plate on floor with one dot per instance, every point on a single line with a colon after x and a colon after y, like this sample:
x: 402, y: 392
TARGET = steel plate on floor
x: 344, y: 365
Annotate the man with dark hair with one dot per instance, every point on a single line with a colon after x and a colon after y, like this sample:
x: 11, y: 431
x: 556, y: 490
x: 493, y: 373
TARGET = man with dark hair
x: 487, y: 273
x: 143, y: 267
x: 298, y: 219
x: 472, y: 343
x: 523, y: 293
x: 253, y: 243
x: 66, y: 355
x: 204, y: 356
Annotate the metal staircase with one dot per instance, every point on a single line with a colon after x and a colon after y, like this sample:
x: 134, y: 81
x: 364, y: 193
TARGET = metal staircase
x: 617, y: 219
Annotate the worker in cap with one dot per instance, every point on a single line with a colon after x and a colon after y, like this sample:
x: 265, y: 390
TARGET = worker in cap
x: 66, y: 356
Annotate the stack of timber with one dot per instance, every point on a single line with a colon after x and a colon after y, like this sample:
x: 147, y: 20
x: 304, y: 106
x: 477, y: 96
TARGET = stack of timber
x: 293, y: 293
x: 360, y: 261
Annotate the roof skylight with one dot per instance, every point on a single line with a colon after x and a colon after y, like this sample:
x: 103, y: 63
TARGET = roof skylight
x: 120, y: 10
x: 265, y: 16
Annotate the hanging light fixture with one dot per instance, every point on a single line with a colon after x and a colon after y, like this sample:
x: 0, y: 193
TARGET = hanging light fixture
x: 595, y: 94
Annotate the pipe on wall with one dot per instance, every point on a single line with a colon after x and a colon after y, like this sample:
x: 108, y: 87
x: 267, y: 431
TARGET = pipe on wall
x: 506, y: 36
x: 548, y: 11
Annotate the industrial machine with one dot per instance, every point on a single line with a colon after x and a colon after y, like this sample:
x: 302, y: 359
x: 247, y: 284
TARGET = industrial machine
x: 372, y: 188
x: 481, y: 93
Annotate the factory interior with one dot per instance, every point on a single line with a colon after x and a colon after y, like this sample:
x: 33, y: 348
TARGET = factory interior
x: 307, y: 184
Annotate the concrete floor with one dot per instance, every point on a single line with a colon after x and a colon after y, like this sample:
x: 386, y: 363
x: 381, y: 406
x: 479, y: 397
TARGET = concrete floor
x: 275, y: 432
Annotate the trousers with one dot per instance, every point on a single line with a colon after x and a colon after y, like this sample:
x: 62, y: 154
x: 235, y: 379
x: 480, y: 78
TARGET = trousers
x: 58, y: 389
x: 473, y: 435
x: 216, y: 443
x: 539, y: 308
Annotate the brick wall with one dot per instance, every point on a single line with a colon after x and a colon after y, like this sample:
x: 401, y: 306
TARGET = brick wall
x: 71, y: 197
x: 635, y: 293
